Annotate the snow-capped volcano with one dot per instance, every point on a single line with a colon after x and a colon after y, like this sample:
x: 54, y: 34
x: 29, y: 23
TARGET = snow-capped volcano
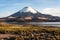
x: 28, y: 9
x: 29, y: 13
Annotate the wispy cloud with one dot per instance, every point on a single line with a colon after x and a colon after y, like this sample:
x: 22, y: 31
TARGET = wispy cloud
x: 51, y: 11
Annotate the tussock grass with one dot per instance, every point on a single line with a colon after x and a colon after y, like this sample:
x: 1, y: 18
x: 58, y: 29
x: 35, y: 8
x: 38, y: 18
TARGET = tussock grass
x: 30, y: 31
x: 14, y: 27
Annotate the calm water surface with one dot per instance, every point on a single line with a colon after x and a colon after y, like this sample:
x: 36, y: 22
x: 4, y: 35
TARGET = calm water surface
x: 45, y: 23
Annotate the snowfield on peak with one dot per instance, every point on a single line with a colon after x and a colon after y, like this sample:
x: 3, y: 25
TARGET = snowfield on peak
x: 28, y: 9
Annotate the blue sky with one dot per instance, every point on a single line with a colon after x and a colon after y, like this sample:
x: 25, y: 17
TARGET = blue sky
x: 8, y: 7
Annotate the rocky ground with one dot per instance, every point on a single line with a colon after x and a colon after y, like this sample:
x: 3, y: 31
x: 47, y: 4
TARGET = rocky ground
x: 30, y: 35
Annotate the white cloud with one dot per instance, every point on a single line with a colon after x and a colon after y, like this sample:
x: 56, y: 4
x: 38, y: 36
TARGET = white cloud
x: 51, y: 11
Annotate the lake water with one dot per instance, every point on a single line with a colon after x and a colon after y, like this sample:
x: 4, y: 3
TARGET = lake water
x: 55, y: 24
x: 45, y: 23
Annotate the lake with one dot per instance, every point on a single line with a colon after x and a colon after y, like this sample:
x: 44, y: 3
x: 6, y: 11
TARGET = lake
x: 45, y: 23
x: 55, y: 24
